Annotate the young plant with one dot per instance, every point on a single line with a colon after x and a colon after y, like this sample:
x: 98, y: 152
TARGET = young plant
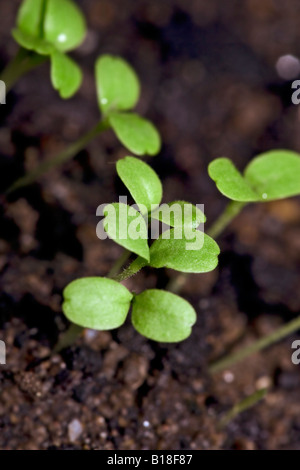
x: 118, y: 91
x: 103, y: 303
x: 47, y: 29
x: 270, y: 176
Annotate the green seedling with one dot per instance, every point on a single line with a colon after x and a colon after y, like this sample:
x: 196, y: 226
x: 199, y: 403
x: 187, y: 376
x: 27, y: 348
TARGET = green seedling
x: 270, y: 176
x: 156, y: 314
x: 50, y: 29
x: 159, y: 315
x: 118, y: 91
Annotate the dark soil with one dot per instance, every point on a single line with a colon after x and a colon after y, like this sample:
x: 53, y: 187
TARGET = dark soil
x: 211, y: 86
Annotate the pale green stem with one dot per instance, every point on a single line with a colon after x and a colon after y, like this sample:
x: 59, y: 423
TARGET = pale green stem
x: 68, y: 338
x: 244, y: 405
x: 59, y: 159
x: 132, y: 269
x: 119, y: 264
x: 257, y: 346
x: 231, y: 212
x: 22, y: 63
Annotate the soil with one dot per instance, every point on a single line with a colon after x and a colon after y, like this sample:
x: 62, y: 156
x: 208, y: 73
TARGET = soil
x: 211, y: 86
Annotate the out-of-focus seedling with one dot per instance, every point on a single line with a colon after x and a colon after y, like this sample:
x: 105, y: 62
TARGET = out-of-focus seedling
x: 50, y: 29
x: 270, y: 176
x: 118, y: 91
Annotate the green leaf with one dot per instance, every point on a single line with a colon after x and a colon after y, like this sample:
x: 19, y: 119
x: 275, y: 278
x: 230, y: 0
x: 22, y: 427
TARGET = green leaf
x: 229, y: 180
x: 64, y: 24
x: 126, y: 226
x: 30, y: 17
x: 136, y: 133
x: 46, y: 25
x: 275, y: 174
x: 270, y: 176
x: 179, y: 214
x: 176, y: 253
x: 142, y: 182
x: 96, y: 302
x: 162, y: 316
x: 31, y: 43
x: 66, y: 76
x: 117, y: 84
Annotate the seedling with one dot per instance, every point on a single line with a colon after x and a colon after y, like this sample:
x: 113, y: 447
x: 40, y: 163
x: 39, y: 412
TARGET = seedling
x: 48, y: 29
x: 118, y: 91
x: 103, y: 303
x: 270, y: 176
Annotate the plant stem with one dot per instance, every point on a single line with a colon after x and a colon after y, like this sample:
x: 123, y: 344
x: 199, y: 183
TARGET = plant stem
x: 243, y: 405
x: 230, y: 212
x: 23, y: 62
x: 132, y: 269
x: 59, y: 159
x: 119, y: 264
x: 68, y: 338
x: 176, y: 284
x: 257, y: 346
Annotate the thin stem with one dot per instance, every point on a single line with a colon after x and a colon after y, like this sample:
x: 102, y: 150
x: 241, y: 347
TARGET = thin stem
x: 22, y: 63
x: 119, y: 264
x: 132, y: 269
x: 257, y: 346
x: 68, y: 338
x: 176, y: 284
x: 242, y: 406
x: 61, y: 158
x: 230, y: 212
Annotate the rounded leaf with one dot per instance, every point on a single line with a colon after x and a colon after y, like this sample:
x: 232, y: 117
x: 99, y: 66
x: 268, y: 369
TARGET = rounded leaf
x: 136, y: 133
x: 126, y: 226
x: 183, y: 254
x: 179, y: 214
x: 270, y: 176
x: 30, y: 17
x: 275, y: 174
x: 162, y: 316
x: 96, y: 302
x: 66, y: 76
x: 64, y: 24
x: 230, y: 182
x: 142, y: 182
x: 118, y: 86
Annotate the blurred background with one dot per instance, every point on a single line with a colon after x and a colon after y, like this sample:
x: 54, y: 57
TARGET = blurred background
x: 216, y: 81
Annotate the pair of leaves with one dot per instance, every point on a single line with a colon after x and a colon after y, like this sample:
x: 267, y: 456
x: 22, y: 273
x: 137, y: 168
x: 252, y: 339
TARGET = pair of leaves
x: 53, y: 27
x: 118, y: 91
x: 103, y: 304
x: 270, y: 176
x: 125, y: 224
x: 182, y: 248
